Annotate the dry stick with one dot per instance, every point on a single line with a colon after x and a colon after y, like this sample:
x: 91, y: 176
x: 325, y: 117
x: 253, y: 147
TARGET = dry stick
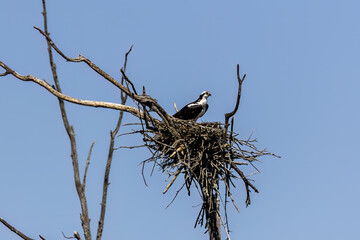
x: 226, y: 229
x: 177, y: 192
x: 152, y: 104
x: 57, y: 92
x: 227, y: 188
x: 230, y: 114
x: 87, y: 61
x: 247, y: 184
x: 4, y: 74
x: 172, y: 180
x: 109, y: 160
x: 60, y: 95
x: 227, y: 180
x: 144, y: 100
x: 75, y: 236
x: 85, y: 220
x: 87, y: 164
x: 13, y: 229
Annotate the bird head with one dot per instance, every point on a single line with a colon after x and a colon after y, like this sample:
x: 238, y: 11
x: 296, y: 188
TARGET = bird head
x: 205, y: 94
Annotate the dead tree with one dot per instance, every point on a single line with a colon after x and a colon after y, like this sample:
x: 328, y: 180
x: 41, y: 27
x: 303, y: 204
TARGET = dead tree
x: 207, y: 155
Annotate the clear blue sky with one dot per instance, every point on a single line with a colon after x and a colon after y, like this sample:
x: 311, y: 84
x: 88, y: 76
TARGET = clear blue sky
x: 300, y: 97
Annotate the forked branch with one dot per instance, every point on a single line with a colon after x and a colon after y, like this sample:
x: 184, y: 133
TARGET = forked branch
x: 230, y: 114
x: 58, y: 94
x: 143, y: 100
x: 80, y: 188
x: 110, y: 158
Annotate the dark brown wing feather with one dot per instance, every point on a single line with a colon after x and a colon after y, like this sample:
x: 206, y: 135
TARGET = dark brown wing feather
x: 187, y: 113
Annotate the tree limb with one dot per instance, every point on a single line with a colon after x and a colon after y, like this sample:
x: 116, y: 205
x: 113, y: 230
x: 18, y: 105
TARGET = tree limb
x: 85, y: 60
x: 87, y: 164
x: 230, y: 114
x: 13, y: 229
x: 110, y: 157
x: 143, y: 100
x: 58, y: 94
x: 85, y: 220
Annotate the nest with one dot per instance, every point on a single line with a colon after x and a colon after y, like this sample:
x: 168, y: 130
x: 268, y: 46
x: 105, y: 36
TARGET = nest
x: 206, y: 155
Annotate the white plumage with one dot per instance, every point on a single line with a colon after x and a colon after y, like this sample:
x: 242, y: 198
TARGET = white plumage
x: 196, y: 109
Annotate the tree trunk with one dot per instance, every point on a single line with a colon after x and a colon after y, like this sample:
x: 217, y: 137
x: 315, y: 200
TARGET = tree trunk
x: 213, y: 218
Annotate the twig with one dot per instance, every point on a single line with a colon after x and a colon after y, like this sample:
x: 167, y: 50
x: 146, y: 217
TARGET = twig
x: 85, y: 60
x: 87, y: 164
x: 142, y: 173
x: 130, y: 147
x: 76, y: 236
x: 4, y: 74
x: 67, y: 236
x: 230, y: 114
x: 60, y: 95
x: 247, y: 184
x: 177, y: 192
x: 85, y: 220
x: 225, y: 228
x: 110, y: 158
x: 143, y: 100
x: 13, y: 229
x: 172, y: 180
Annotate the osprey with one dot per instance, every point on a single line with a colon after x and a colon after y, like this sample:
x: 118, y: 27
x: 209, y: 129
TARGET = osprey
x: 194, y: 110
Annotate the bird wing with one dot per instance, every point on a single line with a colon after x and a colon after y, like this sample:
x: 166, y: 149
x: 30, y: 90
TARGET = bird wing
x: 193, y: 105
x: 203, y: 111
x: 188, y: 112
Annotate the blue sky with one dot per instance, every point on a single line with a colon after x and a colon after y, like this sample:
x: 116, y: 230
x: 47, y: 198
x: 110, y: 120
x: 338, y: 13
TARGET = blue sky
x: 300, y: 97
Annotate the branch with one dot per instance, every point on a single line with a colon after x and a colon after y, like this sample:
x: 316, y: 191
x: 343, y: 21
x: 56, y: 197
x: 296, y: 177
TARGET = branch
x: 75, y: 236
x: 172, y: 180
x: 143, y: 100
x: 87, y: 164
x: 110, y: 157
x: 87, y: 61
x: 247, y: 184
x: 84, y: 217
x: 4, y: 74
x: 13, y: 229
x: 230, y: 114
x: 58, y: 94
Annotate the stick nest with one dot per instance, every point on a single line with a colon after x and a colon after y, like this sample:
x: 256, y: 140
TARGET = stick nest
x: 205, y: 154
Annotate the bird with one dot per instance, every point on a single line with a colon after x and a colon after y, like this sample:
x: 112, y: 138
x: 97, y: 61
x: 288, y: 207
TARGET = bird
x: 195, y: 110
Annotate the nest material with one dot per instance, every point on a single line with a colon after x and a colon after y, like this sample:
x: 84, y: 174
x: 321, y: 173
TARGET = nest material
x: 206, y: 155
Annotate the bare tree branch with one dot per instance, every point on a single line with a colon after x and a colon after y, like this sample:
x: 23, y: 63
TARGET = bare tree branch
x: 4, y: 74
x: 13, y: 229
x: 58, y: 94
x: 85, y: 60
x: 87, y: 164
x: 247, y: 184
x: 230, y: 114
x: 75, y: 236
x: 180, y: 147
x: 110, y: 157
x: 143, y: 100
x: 85, y: 220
